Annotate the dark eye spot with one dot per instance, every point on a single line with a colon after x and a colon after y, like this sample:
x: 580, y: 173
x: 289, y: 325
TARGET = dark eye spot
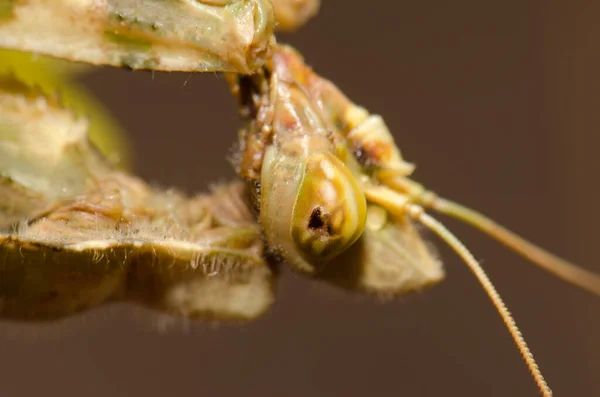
x: 316, y: 219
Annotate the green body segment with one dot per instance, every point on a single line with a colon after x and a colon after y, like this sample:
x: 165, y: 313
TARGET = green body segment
x: 330, y: 211
x: 76, y: 233
x: 313, y: 208
x: 170, y: 35
x: 57, y: 76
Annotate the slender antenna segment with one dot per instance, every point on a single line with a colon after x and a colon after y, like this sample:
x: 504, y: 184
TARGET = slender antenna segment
x: 417, y: 213
x: 566, y: 270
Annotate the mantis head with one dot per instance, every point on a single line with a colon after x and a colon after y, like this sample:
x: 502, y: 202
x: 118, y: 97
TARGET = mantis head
x: 312, y: 208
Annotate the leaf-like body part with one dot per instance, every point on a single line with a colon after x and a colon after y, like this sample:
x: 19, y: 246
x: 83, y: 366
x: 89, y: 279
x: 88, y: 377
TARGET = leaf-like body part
x: 76, y: 233
x: 170, y: 35
x: 393, y: 260
x: 56, y: 76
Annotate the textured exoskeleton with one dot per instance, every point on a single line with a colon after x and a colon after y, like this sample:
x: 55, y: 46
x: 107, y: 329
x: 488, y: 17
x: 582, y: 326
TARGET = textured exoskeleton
x: 327, y: 190
x: 170, y: 35
x: 174, y: 35
x: 310, y: 151
x: 76, y: 233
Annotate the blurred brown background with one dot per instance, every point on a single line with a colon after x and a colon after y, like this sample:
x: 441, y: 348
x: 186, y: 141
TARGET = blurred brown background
x: 496, y: 102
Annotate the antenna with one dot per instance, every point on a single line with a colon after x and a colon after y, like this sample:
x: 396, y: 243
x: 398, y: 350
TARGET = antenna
x: 562, y: 268
x: 438, y: 228
x: 411, y: 191
x: 399, y: 205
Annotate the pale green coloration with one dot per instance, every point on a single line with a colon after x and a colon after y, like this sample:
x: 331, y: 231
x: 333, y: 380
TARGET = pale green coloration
x: 330, y: 210
x: 43, y: 150
x: 309, y: 216
x: 59, y: 78
x: 313, y: 208
x: 294, y: 116
x: 335, y: 198
x: 75, y: 233
x: 170, y: 35
x: 32, y: 68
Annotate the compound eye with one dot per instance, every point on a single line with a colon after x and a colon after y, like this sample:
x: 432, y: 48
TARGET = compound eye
x: 329, y: 214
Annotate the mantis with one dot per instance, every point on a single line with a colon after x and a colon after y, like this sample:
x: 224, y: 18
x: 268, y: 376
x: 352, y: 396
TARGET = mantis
x: 326, y: 189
